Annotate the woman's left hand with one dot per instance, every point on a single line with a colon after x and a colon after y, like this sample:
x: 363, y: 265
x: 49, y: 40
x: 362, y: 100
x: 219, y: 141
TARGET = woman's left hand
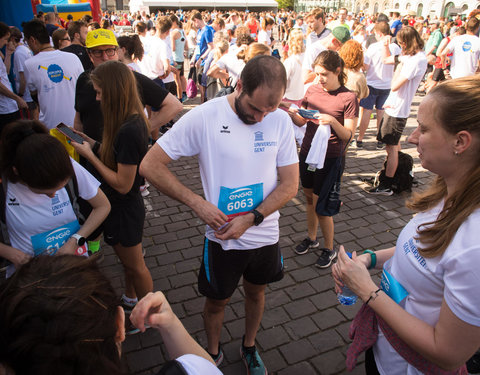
x: 84, y: 149
x: 325, y: 119
x: 69, y: 247
x: 353, y: 273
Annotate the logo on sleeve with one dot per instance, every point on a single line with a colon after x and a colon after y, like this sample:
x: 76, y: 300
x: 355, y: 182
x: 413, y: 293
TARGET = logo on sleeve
x: 13, y: 202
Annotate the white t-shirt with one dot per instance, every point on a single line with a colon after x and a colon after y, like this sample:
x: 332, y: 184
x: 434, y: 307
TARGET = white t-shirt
x: 263, y: 37
x: 293, y: 66
x: 466, y: 53
x: 379, y: 75
x: 232, y: 65
x: 22, y: 53
x: 152, y: 63
x: 398, y: 102
x: 7, y: 105
x: 238, y: 162
x: 195, y: 365
x: 53, y: 75
x: 311, y: 54
x: 36, y: 221
x: 167, y: 54
x: 453, y: 276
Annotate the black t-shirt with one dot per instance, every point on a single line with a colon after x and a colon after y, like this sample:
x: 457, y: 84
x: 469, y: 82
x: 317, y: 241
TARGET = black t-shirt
x: 89, y: 109
x: 82, y: 54
x: 129, y: 147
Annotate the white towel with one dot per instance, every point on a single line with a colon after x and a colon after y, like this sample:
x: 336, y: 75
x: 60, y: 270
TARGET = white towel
x: 318, y: 148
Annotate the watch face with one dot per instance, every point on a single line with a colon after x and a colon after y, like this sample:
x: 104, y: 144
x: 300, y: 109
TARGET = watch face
x: 81, y: 241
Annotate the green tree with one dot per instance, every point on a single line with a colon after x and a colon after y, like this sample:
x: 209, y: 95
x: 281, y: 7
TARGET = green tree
x: 284, y: 4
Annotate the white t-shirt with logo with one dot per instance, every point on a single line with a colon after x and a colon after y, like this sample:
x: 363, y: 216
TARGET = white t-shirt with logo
x: 379, y: 74
x: 53, y: 74
x: 232, y: 64
x: 22, y: 53
x: 399, y: 102
x: 238, y: 162
x: 36, y: 221
x: 466, y: 53
x: 453, y: 276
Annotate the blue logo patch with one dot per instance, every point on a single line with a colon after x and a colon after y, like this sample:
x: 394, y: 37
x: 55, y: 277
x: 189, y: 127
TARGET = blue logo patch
x: 55, y: 73
x: 467, y: 46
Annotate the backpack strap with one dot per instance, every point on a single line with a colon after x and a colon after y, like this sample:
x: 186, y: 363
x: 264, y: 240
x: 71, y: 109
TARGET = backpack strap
x: 72, y: 191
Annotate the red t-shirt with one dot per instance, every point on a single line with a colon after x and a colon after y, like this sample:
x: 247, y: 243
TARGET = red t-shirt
x: 341, y: 104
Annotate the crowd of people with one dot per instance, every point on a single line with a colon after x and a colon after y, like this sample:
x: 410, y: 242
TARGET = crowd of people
x: 89, y: 119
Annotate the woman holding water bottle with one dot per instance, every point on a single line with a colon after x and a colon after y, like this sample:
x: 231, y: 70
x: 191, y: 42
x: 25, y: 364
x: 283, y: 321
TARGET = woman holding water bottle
x: 425, y: 316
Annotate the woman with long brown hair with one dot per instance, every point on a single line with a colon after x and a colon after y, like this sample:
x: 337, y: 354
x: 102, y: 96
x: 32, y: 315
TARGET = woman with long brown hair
x: 425, y: 317
x: 125, y: 142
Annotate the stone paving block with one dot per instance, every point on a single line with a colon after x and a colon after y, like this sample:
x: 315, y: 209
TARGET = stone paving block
x: 272, y: 337
x: 325, y: 341
x: 300, y: 328
x: 235, y: 328
x: 322, y: 283
x: 302, y: 368
x: 169, y: 258
x: 297, y: 309
x: 183, y: 279
x: 151, y: 337
x: 343, y: 330
x: 178, y: 245
x: 324, y: 300
x: 274, y: 317
x: 329, y: 363
x: 328, y: 318
x: 275, y: 298
x: 165, y: 237
x: 286, y: 281
x: 181, y: 294
x: 162, y: 284
x: 145, y: 358
x: 303, y: 274
x: 298, y: 351
x: 368, y: 242
x: 300, y: 291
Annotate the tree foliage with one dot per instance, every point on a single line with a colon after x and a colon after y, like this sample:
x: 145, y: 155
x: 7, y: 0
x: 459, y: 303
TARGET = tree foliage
x: 284, y: 4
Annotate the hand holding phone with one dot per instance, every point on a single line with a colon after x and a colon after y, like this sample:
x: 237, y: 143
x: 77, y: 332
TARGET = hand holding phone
x: 69, y: 133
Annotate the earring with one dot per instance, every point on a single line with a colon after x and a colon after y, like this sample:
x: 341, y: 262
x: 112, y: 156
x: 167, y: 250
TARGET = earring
x: 456, y: 153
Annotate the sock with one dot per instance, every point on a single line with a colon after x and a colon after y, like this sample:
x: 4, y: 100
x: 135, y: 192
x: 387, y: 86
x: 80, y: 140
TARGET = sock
x: 93, y: 246
x: 131, y: 302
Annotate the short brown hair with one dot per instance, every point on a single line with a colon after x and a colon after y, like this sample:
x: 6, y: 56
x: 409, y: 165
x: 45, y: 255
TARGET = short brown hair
x: 75, y: 27
x: 472, y: 24
x: 317, y: 13
x: 164, y: 24
x: 382, y: 27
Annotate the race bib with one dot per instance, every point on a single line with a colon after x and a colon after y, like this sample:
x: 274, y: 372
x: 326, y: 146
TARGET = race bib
x: 49, y: 242
x: 239, y: 201
x: 392, y: 287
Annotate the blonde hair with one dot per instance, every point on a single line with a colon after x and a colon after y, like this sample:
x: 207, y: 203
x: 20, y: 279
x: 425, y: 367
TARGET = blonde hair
x: 120, y: 100
x: 456, y: 109
x: 253, y: 50
x: 295, y: 42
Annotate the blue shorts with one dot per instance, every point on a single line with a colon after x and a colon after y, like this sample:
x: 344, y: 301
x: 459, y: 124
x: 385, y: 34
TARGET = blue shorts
x: 376, y: 97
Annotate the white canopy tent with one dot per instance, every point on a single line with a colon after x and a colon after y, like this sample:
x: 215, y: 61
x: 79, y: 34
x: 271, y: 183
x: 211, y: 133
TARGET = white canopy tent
x: 135, y: 5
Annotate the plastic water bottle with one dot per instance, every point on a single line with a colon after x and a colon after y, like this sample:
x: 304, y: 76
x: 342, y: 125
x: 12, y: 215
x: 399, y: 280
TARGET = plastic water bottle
x: 346, y: 296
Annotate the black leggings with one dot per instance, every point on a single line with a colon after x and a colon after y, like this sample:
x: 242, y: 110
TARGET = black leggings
x: 370, y: 365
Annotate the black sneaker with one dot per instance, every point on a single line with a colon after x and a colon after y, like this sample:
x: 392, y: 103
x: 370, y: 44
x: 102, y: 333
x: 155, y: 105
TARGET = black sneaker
x: 218, y: 359
x: 380, y: 190
x: 380, y: 145
x: 305, y: 245
x: 325, y: 259
x: 359, y: 144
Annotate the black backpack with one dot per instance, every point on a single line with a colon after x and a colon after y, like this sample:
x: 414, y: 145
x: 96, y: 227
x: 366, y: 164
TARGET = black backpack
x: 403, y: 179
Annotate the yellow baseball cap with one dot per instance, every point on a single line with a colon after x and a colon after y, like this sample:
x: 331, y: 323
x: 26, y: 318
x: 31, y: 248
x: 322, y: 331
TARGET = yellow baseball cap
x: 100, y: 37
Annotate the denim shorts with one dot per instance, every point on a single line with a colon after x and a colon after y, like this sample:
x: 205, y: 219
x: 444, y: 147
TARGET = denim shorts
x: 376, y: 97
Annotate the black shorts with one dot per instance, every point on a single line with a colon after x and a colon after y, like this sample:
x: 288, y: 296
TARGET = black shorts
x: 171, y: 87
x: 325, y: 183
x: 391, y: 129
x: 124, y: 224
x: 221, y: 269
x: 438, y: 75
x: 179, y: 65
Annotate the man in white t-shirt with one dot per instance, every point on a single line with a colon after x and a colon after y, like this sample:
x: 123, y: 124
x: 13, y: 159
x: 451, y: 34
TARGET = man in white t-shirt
x: 379, y: 79
x: 165, y: 54
x: 316, y: 22
x: 51, y: 76
x: 244, y: 143
x: 465, y: 51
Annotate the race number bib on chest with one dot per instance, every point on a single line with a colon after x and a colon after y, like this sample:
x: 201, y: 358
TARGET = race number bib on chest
x: 47, y: 243
x: 239, y: 201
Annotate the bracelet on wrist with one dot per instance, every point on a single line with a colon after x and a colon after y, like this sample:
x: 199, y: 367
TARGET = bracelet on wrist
x: 373, y: 258
x: 373, y: 296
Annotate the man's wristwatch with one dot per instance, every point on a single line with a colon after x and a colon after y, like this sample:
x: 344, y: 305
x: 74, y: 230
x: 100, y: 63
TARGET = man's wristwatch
x: 80, y: 239
x: 258, y: 217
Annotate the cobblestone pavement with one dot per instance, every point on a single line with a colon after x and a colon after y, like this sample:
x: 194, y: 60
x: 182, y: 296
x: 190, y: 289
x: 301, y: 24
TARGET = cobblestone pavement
x: 304, y: 329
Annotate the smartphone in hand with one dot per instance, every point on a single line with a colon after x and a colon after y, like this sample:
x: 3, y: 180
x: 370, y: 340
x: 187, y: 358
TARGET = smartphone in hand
x: 311, y: 114
x: 69, y: 133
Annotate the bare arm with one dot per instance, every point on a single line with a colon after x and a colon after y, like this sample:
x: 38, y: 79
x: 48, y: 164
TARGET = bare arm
x: 154, y: 168
x: 170, y: 107
x: 23, y: 83
x: 155, y: 310
x: 216, y: 72
x: 14, y: 255
x: 77, y: 123
x: 398, y: 81
x: 9, y: 94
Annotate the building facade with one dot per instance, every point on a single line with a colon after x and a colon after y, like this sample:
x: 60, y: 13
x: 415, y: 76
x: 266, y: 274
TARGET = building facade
x: 434, y: 8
